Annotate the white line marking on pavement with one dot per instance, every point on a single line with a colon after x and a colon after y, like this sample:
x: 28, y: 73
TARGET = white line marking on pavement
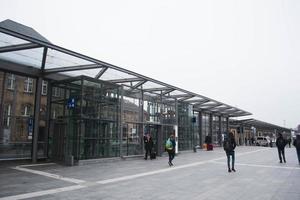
x: 42, y: 193
x: 55, y: 176
x: 255, y: 165
x: 76, y: 187
x: 124, y: 178
x: 33, y: 165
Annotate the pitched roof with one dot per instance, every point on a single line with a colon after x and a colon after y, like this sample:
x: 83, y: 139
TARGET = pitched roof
x: 22, y: 29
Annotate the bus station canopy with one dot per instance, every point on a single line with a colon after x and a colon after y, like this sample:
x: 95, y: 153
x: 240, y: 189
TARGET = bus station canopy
x: 24, y: 51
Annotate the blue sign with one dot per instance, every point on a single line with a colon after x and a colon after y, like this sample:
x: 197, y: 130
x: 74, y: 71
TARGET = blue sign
x: 30, y: 127
x: 71, y: 103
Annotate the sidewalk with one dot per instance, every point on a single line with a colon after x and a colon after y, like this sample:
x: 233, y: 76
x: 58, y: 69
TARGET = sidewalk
x: 201, y: 175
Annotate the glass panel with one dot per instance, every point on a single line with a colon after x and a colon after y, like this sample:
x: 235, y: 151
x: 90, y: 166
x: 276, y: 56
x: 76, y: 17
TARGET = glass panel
x: 205, y: 126
x: 216, y: 134
x: 185, y: 132
x: 88, y: 125
x: 7, y: 40
x: 176, y: 92
x: 112, y: 74
x: 58, y: 59
x: 132, y: 139
x: 16, y: 120
x: 29, y: 57
x: 88, y: 72
x: 132, y: 112
x: 195, y: 98
x: 149, y: 85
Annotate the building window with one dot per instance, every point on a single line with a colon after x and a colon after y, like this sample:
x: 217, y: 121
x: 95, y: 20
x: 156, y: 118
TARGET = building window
x: 27, y: 110
x: 56, y: 92
x: 44, y: 87
x: 11, y: 80
x: 7, y: 115
x: 28, y: 85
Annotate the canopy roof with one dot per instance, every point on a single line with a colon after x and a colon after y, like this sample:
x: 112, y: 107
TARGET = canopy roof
x: 25, y: 51
x: 258, y: 124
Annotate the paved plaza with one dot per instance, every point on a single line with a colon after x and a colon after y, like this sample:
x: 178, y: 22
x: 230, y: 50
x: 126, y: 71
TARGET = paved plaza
x: 201, y: 175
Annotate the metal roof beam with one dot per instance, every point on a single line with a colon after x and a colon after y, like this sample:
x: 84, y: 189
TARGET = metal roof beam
x: 201, y: 102
x: 167, y: 91
x: 18, y: 47
x: 185, y: 98
x: 222, y: 109
x: 71, y: 68
x: 125, y: 80
x: 179, y: 96
x: 211, y: 106
x: 156, y: 89
x: 101, y: 72
x: 138, y: 84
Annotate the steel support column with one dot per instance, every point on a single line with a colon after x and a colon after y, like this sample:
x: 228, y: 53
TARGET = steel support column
x: 37, y: 105
x: 121, y: 121
x: 227, y: 124
x: 220, y: 131
x: 200, y: 128
x: 49, y: 95
x: 210, y: 125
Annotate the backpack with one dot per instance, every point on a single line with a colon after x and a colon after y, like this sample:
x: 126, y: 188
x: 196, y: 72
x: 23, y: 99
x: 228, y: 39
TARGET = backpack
x: 281, y: 143
x: 227, y: 145
x: 169, y: 145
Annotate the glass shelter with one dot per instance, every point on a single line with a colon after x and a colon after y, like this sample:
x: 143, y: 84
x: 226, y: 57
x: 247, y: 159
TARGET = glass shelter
x: 57, y: 103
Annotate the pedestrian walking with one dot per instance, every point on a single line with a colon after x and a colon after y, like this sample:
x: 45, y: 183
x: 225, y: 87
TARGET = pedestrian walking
x: 148, y: 144
x: 280, y: 143
x: 289, y: 142
x: 296, y: 143
x: 170, y: 148
x: 229, y: 146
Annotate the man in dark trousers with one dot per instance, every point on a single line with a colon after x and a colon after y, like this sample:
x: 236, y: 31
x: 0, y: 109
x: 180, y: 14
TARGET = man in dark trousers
x: 296, y: 143
x: 280, y: 143
x: 148, y: 142
x: 229, y: 146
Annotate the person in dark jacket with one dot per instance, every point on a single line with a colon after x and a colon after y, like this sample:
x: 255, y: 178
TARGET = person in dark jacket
x: 229, y: 146
x: 148, y: 143
x: 280, y: 143
x: 296, y: 143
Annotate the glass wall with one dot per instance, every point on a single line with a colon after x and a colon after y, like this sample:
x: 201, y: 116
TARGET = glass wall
x: 185, y: 127
x: 196, y: 128
x: 88, y: 123
x: 132, y: 126
x: 17, y: 98
x: 205, y: 125
x: 215, y: 129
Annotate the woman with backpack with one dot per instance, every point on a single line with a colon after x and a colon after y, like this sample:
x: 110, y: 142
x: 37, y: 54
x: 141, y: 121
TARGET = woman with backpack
x: 229, y: 146
x: 170, y: 148
x: 296, y: 143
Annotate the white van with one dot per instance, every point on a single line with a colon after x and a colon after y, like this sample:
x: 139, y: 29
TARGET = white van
x: 263, y: 141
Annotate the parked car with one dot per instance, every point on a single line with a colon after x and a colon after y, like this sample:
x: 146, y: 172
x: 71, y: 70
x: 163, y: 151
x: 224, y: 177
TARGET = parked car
x: 263, y: 141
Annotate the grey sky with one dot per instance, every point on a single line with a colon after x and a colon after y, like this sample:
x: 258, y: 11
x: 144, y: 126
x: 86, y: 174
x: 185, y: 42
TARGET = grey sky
x: 244, y: 53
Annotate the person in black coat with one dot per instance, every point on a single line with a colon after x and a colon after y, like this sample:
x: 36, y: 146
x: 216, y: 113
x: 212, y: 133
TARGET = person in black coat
x: 280, y: 143
x: 229, y: 146
x: 296, y: 143
x: 148, y: 143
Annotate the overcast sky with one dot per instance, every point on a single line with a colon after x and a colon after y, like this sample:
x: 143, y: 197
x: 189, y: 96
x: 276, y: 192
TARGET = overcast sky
x: 245, y: 53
